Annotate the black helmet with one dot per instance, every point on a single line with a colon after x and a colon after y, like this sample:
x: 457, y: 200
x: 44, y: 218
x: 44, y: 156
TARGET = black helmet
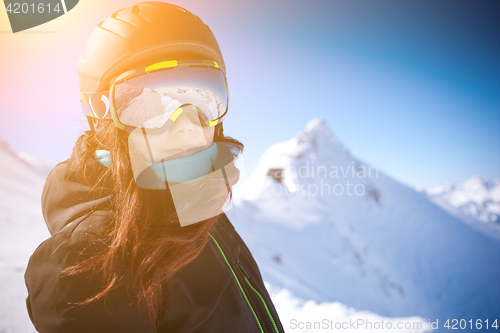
x: 146, y: 31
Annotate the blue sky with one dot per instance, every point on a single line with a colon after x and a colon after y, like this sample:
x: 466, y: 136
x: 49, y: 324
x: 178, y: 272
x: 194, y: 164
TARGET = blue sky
x: 409, y: 86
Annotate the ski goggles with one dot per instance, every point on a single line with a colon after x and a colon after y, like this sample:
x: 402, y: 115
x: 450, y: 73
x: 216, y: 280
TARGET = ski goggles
x: 151, y: 97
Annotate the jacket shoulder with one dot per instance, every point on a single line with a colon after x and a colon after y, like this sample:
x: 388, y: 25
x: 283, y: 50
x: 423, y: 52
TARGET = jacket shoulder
x: 50, y: 296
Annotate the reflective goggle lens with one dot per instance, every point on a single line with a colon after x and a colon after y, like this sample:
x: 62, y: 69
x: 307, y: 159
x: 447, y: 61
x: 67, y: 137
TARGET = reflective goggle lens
x: 149, y: 100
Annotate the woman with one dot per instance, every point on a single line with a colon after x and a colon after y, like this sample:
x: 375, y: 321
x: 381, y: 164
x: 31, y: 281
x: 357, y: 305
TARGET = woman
x: 139, y: 242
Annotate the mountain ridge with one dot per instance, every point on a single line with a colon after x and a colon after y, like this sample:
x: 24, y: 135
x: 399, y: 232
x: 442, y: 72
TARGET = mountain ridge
x: 378, y: 244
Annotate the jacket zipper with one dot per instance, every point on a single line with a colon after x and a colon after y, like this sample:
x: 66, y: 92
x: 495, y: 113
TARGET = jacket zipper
x: 241, y: 288
x: 247, y: 277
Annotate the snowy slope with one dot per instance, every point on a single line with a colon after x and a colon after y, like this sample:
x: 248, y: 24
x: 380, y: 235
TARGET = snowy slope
x: 22, y: 229
x: 475, y: 201
x: 298, y: 315
x: 329, y: 227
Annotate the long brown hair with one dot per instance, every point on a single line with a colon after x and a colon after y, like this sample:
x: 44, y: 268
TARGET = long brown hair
x: 144, y: 244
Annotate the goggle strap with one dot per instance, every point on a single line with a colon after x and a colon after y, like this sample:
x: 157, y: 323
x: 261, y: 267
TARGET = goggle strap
x: 95, y: 123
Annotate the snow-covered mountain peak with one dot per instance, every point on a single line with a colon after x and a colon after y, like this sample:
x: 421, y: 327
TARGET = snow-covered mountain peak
x: 318, y: 127
x: 312, y: 154
x: 330, y: 227
x: 315, y: 142
x: 483, y: 188
x: 477, y: 198
x: 19, y: 161
x: 4, y: 146
x: 318, y: 138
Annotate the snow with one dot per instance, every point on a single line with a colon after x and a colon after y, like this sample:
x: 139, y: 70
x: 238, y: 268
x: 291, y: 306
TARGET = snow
x: 298, y: 315
x: 152, y: 108
x: 22, y: 229
x: 354, y: 235
x: 335, y: 239
x: 475, y: 202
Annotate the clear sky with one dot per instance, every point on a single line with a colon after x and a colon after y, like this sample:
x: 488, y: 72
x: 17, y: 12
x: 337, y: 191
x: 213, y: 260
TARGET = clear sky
x: 412, y: 87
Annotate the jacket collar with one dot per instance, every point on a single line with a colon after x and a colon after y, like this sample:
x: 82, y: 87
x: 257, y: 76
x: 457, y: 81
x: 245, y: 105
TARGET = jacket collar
x: 66, y: 196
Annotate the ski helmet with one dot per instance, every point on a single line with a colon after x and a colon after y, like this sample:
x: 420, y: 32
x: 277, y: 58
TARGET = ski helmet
x: 145, y: 32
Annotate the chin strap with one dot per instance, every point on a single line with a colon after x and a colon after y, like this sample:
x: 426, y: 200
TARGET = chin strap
x: 95, y: 123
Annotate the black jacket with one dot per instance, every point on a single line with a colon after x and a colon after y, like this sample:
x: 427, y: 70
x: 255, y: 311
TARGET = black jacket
x: 220, y: 291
